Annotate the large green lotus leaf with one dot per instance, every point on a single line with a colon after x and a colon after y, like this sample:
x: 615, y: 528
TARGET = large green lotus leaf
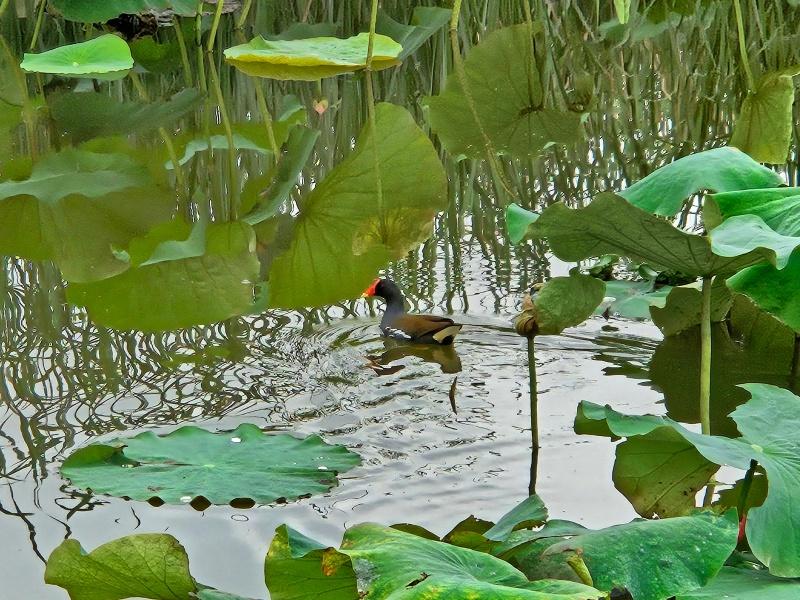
x: 776, y: 291
x: 85, y: 115
x: 313, y: 58
x: 666, y: 190
x: 764, y: 126
x: 148, y: 565
x: 425, y: 21
x: 660, y: 473
x: 178, y: 293
x: 105, y: 57
x: 346, y: 229
x: 92, y: 11
x: 612, y: 225
x: 778, y: 207
x: 391, y: 564
x: 221, y: 467
x: 633, y: 299
x: 655, y: 560
x: 744, y: 233
x: 85, y: 204
x: 506, y: 90
x: 561, y: 302
x: 683, y: 307
x: 768, y: 424
x: 745, y: 584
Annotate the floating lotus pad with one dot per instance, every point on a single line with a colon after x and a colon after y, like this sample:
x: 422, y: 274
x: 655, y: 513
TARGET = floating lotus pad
x: 312, y: 58
x: 105, y: 57
x: 221, y: 467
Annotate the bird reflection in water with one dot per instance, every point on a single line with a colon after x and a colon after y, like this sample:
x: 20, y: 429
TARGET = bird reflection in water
x: 386, y: 363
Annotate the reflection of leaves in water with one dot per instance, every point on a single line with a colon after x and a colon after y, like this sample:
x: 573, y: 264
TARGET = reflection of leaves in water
x: 178, y: 293
x: 732, y: 363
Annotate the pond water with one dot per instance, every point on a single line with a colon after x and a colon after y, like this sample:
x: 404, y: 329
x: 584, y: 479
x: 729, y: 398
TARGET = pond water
x: 443, y: 432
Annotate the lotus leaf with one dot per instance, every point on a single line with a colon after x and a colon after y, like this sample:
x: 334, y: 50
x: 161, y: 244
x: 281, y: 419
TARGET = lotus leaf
x: 778, y: 207
x: 312, y: 58
x: 562, y: 302
x: 178, y: 293
x: 350, y: 211
x: 221, y: 467
x: 105, y: 57
x: 531, y: 512
x: 86, y: 115
x: 149, y: 565
x: 91, y: 11
x: 660, y: 473
x: 672, y: 556
x: 768, y: 423
x: 634, y: 299
x: 683, y: 307
x: 666, y: 190
x: 764, y: 126
x: 745, y: 584
x: 776, y: 291
x: 387, y: 563
x: 75, y: 206
x: 612, y: 225
x: 503, y: 81
x: 744, y: 233
x: 425, y: 21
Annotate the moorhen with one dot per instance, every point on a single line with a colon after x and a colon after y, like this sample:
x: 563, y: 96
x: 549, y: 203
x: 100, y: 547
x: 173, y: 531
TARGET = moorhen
x: 397, y: 324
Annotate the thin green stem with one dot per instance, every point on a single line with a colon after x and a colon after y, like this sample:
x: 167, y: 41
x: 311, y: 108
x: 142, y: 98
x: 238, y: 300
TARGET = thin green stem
x: 534, y: 404
x: 262, y: 107
x: 705, y: 358
x: 187, y: 67
x: 742, y: 46
x: 243, y: 15
x: 373, y: 20
x: 212, y: 36
x: 38, y: 28
x: 3, y: 7
x: 233, y: 192
x: 794, y: 377
x: 458, y: 63
x: 180, y: 180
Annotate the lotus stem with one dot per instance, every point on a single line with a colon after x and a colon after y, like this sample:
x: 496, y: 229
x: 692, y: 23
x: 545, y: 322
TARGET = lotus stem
x: 498, y: 177
x: 795, y: 373
x: 3, y: 6
x: 578, y: 565
x: 244, y: 14
x: 212, y: 36
x: 38, y: 28
x: 262, y: 107
x: 534, y: 405
x: 373, y: 21
x: 742, y: 46
x: 187, y: 68
x: 705, y: 358
x: 233, y: 181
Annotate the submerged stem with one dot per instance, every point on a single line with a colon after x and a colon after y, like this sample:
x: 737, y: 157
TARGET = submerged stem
x: 534, y: 404
x: 233, y: 182
x: 742, y: 46
x: 458, y: 63
x: 373, y: 21
x: 705, y: 358
x: 214, y: 26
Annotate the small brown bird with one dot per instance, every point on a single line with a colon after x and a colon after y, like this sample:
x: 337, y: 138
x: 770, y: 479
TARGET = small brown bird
x: 398, y: 324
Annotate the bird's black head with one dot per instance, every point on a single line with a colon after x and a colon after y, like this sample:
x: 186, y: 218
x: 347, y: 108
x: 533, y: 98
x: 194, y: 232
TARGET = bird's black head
x: 384, y: 288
